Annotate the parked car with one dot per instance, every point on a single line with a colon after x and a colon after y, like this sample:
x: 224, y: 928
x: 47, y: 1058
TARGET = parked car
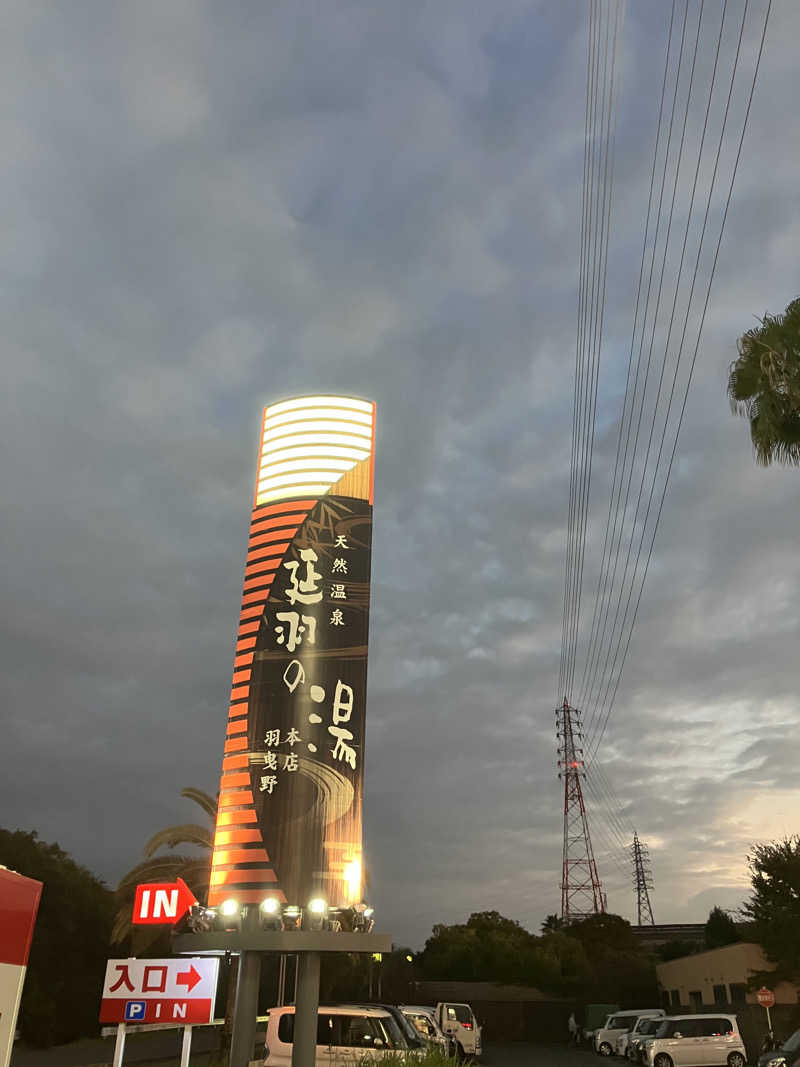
x: 605, y: 1039
x: 646, y: 1028
x: 414, y: 1039
x: 459, y: 1023
x: 625, y: 1038
x: 345, y: 1035
x: 787, y: 1054
x: 424, y: 1019
x: 594, y: 1016
x: 692, y: 1040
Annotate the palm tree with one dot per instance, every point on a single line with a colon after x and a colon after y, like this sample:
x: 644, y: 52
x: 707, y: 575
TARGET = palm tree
x: 193, y: 869
x: 764, y: 386
x: 552, y: 923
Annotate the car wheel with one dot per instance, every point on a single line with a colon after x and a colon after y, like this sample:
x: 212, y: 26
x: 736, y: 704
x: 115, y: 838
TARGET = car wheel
x: 736, y: 1059
x: 605, y: 1049
x: 662, y: 1060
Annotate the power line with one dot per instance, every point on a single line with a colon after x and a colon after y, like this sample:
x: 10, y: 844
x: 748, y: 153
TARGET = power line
x: 703, y: 315
x: 600, y: 684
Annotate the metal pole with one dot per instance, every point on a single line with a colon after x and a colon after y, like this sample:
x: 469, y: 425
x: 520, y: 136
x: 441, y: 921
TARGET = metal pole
x: 244, y: 1013
x: 769, y: 1022
x: 119, y: 1046
x: 296, y: 972
x: 186, y: 1047
x: 281, y: 980
x: 304, y: 1050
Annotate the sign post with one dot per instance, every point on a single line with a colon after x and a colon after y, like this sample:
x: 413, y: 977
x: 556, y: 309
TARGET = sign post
x: 766, y: 998
x: 289, y: 829
x: 168, y: 991
x: 160, y: 991
x: 19, y: 902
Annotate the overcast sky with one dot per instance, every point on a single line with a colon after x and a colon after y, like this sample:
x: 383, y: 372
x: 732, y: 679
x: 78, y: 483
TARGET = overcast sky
x: 208, y: 207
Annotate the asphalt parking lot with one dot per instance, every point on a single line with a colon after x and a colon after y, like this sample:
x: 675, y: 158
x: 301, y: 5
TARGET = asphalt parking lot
x: 163, y: 1050
x: 525, y: 1055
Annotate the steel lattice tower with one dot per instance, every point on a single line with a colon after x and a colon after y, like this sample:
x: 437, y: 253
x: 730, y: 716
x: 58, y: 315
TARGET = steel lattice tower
x: 581, y: 892
x: 642, y: 881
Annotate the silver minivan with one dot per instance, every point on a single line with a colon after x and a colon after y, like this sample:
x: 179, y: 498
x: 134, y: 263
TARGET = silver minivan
x: 621, y: 1022
x: 711, y: 1040
x: 345, y: 1035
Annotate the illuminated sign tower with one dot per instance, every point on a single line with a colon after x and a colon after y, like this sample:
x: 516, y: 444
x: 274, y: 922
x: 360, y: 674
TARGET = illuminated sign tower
x: 290, y: 805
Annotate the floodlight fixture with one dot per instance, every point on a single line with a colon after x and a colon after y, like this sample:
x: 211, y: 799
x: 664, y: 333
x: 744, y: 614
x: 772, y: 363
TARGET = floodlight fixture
x: 230, y: 915
x: 316, y: 913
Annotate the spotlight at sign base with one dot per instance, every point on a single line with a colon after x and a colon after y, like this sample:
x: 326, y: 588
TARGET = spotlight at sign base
x: 229, y: 915
x: 316, y: 913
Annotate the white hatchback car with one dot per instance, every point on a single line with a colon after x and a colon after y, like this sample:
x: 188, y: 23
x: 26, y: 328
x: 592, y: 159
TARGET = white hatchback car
x: 692, y: 1040
x: 621, y: 1022
x: 345, y: 1035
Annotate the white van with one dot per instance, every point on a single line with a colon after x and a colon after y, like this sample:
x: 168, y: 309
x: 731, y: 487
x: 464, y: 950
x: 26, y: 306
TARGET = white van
x: 344, y: 1036
x: 460, y: 1024
x: 424, y: 1019
x: 624, y: 1040
x: 621, y: 1022
x: 691, y: 1040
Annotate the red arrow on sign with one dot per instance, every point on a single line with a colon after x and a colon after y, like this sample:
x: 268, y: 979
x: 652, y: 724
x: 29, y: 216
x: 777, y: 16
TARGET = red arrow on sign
x: 188, y: 978
x: 162, y: 903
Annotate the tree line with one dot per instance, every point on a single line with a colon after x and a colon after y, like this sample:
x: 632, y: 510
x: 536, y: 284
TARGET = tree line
x: 600, y: 958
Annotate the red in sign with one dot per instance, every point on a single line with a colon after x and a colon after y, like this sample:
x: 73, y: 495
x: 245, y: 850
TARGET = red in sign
x: 158, y: 903
x: 765, y: 997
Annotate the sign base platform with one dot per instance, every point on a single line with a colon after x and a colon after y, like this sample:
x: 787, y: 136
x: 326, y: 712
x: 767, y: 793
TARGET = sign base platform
x: 218, y: 943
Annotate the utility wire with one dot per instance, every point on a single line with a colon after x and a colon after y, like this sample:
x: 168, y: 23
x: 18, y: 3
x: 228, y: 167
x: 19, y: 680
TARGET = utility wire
x: 705, y: 303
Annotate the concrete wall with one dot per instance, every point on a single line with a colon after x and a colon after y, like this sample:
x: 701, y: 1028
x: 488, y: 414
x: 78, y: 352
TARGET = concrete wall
x: 727, y: 966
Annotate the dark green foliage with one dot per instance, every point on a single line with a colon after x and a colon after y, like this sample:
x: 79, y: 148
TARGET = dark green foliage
x: 774, y: 906
x: 194, y: 869
x: 674, y: 950
x: 61, y: 996
x: 619, y: 968
x: 720, y: 929
x: 764, y: 386
x: 551, y: 924
x: 600, y: 956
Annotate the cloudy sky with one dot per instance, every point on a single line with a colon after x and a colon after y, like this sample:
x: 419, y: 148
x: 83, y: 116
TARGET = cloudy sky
x: 206, y: 208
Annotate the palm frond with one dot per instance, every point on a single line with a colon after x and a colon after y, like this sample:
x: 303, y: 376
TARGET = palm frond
x: 160, y: 869
x: 185, y: 834
x: 205, y: 800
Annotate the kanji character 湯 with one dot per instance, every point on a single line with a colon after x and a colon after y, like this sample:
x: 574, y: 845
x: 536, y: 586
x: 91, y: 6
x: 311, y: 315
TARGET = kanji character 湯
x: 340, y: 750
x: 342, y: 702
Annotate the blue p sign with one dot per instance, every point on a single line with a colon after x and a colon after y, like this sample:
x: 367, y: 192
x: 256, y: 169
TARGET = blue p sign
x: 134, y: 1010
